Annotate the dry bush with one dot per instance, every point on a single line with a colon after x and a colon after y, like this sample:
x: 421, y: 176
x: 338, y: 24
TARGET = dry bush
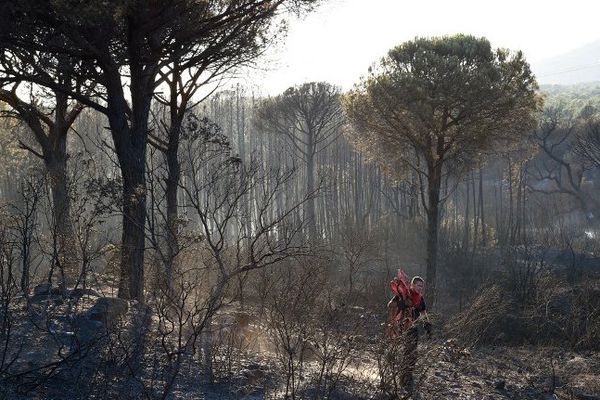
x: 290, y: 296
x: 394, y: 364
x: 334, y: 344
x: 391, y: 365
x: 558, y: 314
x: 313, y: 331
x: 10, y: 290
x: 231, y: 347
x: 567, y: 314
x: 478, y: 323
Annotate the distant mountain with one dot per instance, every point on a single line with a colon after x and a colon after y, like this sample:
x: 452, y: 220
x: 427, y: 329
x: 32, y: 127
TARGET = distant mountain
x: 576, y: 66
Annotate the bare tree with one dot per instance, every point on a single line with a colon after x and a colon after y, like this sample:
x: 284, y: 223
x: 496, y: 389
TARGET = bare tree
x: 26, y: 220
x: 108, y: 48
x: 588, y: 140
x: 49, y: 128
x: 214, y: 188
x: 310, y: 116
x: 560, y: 170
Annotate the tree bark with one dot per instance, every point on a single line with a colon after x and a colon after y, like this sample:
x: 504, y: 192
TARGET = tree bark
x: 467, y: 216
x: 173, y: 172
x: 66, y: 250
x: 133, y: 239
x: 482, y: 210
x: 171, y: 191
x: 433, y: 199
x: 130, y: 138
x: 310, y: 188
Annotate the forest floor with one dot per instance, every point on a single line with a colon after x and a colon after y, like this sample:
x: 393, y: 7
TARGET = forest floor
x: 492, y: 373
x: 447, y: 371
x: 514, y: 373
x: 444, y: 371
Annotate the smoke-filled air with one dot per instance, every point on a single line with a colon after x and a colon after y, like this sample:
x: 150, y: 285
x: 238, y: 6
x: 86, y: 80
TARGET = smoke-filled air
x: 299, y: 199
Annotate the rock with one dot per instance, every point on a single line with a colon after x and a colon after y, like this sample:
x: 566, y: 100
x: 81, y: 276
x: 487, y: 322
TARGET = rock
x: 253, y: 376
x: 584, y: 396
x: 42, y: 289
x: 108, y: 310
x: 57, y: 291
x: 549, y: 396
x: 253, y: 366
x: 80, y: 292
x: 87, y: 330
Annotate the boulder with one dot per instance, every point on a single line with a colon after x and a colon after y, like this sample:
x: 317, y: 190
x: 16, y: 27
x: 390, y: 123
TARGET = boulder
x: 108, y: 310
x: 585, y: 396
x: 43, y: 289
x: 549, y: 396
x: 57, y: 291
x: 88, y: 330
x: 80, y: 292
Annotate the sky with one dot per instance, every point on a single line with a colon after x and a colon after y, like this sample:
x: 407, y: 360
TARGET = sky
x: 339, y: 41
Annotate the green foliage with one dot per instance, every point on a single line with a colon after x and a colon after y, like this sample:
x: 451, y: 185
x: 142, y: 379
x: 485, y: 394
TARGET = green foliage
x: 578, y: 99
x: 446, y: 99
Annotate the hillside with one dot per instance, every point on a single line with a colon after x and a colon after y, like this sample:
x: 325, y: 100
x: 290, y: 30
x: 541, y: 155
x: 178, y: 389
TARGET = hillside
x: 576, y: 66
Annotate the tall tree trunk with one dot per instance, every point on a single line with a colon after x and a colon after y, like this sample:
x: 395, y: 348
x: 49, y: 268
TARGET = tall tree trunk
x: 66, y: 244
x: 131, y: 283
x: 433, y: 200
x: 518, y: 222
x: 55, y: 157
x: 176, y: 115
x: 467, y: 216
x: 523, y: 205
x: 130, y: 138
x: 475, y: 212
x: 129, y: 129
x: 51, y: 136
x: 509, y: 230
x: 171, y: 191
x: 482, y: 210
x: 499, y: 208
x: 310, y: 214
x: 240, y: 118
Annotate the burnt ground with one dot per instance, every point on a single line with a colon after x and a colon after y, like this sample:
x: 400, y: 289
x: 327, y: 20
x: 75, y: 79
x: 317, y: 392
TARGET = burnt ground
x: 514, y: 373
x: 444, y: 371
x: 447, y: 371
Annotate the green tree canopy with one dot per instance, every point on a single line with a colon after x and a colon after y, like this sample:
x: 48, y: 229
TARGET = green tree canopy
x: 434, y: 106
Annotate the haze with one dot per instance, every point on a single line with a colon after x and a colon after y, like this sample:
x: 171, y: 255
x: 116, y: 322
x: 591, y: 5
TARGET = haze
x: 339, y: 42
